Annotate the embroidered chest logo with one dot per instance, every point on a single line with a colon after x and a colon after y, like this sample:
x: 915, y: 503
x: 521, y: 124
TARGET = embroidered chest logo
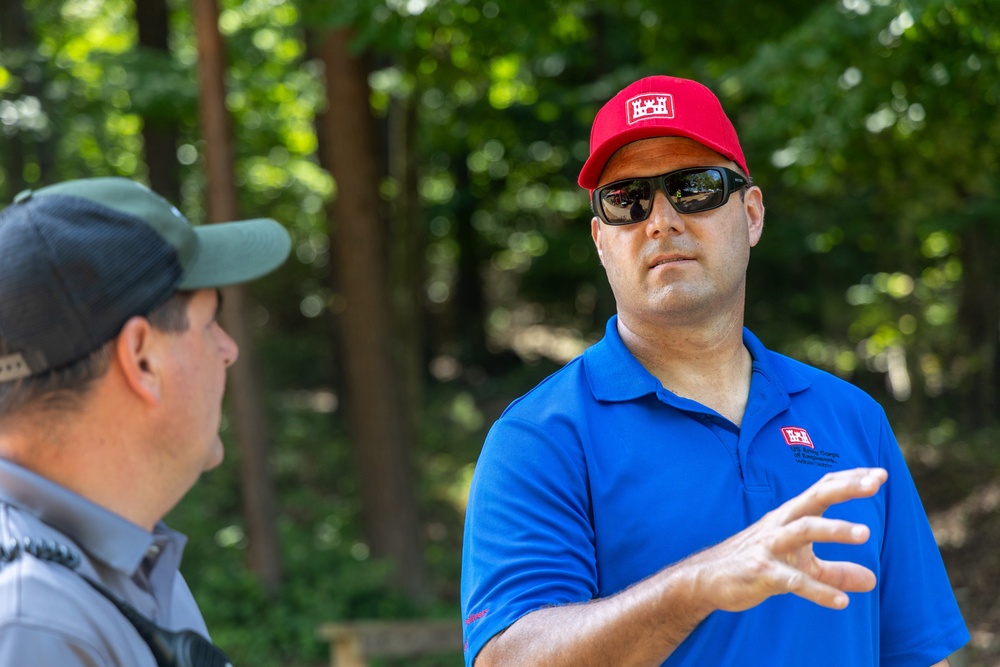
x: 797, y: 436
x: 804, y: 450
x: 650, y: 105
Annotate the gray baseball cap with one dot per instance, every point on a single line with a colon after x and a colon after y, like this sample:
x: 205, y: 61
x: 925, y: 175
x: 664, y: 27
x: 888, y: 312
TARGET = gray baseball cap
x: 79, y: 258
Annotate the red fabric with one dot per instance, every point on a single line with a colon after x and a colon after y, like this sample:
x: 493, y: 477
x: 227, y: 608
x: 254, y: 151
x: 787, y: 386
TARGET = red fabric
x: 659, y: 106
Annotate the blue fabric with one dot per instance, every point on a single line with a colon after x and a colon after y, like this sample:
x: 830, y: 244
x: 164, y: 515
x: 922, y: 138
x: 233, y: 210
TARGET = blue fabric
x: 600, y: 477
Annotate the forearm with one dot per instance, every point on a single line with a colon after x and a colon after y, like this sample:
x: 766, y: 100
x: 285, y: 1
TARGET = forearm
x: 640, y: 626
x: 645, y: 623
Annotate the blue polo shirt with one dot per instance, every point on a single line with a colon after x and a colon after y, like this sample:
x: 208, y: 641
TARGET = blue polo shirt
x: 600, y: 477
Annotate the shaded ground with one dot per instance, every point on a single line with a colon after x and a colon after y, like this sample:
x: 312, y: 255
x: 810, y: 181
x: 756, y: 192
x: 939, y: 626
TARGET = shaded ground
x: 961, y: 492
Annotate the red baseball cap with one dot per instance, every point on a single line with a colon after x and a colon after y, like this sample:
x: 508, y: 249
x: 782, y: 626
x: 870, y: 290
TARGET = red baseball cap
x: 659, y: 106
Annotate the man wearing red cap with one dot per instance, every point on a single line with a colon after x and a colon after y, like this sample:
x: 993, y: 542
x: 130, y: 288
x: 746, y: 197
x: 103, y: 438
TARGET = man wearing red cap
x: 653, y: 501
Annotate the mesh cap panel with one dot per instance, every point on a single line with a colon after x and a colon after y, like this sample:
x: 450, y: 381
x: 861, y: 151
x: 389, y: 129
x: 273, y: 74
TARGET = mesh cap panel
x: 72, y: 272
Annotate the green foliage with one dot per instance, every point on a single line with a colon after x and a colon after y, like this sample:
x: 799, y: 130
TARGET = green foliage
x: 876, y: 147
x: 329, y: 575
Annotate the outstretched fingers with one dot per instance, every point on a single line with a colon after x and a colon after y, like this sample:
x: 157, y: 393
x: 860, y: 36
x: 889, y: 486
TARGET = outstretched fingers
x: 845, y: 576
x: 833, y: 488
x: 775, y: 555
x: 805, y: 530
x: 830, y: 582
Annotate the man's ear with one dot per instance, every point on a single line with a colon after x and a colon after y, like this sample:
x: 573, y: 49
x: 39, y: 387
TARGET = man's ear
x: 137, y: 350
x: 595, y: 233
x: 753, y: 206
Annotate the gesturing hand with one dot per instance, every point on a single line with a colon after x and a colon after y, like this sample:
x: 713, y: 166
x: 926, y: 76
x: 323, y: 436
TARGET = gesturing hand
x: 775, y: 554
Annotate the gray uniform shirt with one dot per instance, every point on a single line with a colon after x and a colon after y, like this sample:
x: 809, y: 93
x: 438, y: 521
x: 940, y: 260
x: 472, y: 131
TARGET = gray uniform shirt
x: 48, y: 614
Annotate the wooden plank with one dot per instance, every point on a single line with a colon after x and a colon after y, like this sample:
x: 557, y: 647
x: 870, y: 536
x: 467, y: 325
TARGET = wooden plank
x: 353, y: 642
x: 346, y: 651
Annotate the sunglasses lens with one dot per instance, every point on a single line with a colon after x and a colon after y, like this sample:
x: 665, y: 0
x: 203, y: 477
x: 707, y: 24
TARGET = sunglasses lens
x: 693, y: 191
x: 689, y: 191
x: 626, y: 202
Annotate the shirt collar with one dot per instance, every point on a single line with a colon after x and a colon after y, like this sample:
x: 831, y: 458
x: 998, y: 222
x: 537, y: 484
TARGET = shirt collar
x: 777, y: 368
x: 104, y: 535
x: 614, y: 374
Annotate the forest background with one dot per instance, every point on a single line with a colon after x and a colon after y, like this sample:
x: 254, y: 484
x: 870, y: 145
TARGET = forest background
x: 423, y: 155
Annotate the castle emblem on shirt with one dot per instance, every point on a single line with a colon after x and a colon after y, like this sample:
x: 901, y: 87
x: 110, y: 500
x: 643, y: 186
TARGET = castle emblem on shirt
x: 650, y: 105
x: 804, y: 452
x: 797, y: 437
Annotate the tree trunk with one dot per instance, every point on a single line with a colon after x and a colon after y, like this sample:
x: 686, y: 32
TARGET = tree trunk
x: 468, y: 308
x: 374, y: 404
x: 407, y: 245
x: 250, y: 424
x: 979, y: 317
x: 159, y: 135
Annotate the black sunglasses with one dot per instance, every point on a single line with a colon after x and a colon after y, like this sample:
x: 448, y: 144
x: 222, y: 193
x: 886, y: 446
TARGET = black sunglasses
x: 690, y: 190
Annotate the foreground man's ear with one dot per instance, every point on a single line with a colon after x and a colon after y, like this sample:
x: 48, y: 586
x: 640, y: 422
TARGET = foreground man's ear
x: 138, y: 353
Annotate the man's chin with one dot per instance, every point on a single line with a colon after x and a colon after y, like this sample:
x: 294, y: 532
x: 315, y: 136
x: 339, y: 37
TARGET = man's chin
x: 216, y: 456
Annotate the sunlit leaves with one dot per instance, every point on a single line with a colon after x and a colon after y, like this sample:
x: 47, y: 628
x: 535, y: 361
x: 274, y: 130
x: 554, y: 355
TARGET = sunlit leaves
x: 869, y: 124
x: 569, y: 26
x: 437, y: 188
x: 512, y: 83
x: 65, y: 79
x: 24, y: 114
x: 252, y: 13
x: 885, y: 118
x: 521, y: 248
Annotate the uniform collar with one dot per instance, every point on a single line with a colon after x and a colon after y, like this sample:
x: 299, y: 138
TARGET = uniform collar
x: 104, y: 535
x: 614, y: 374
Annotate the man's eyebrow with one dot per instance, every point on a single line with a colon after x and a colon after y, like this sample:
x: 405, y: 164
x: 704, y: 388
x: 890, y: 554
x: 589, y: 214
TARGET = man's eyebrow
x: 218, y: 302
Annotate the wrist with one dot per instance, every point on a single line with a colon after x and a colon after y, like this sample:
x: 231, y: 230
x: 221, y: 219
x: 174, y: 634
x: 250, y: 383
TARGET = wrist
x: 686, y: 593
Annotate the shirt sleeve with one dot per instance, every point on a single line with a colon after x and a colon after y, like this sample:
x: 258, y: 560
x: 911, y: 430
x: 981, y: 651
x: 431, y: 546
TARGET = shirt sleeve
x: 529, y: 540
x: 920, y: 623
x: 28, y: 644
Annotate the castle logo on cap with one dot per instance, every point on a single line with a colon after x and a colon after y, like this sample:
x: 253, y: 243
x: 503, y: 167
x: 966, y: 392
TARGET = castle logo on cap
x: 650, y: 105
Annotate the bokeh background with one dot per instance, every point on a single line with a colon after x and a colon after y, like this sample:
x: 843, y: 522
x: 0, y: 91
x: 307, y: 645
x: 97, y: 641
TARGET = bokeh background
x: 423, y: 154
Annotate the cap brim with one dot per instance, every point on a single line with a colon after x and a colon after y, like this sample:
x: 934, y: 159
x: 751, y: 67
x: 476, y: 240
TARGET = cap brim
x: 590, y: 174
x: 592, y: 169
x: 235, y: 252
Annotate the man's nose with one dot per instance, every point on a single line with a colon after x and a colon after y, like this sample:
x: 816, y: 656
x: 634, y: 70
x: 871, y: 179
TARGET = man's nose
x: 230, y: 350
x: 663, y: 218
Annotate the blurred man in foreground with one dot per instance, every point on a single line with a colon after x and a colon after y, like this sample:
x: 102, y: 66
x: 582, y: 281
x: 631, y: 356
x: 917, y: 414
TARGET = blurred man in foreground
x: 112, y: 371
